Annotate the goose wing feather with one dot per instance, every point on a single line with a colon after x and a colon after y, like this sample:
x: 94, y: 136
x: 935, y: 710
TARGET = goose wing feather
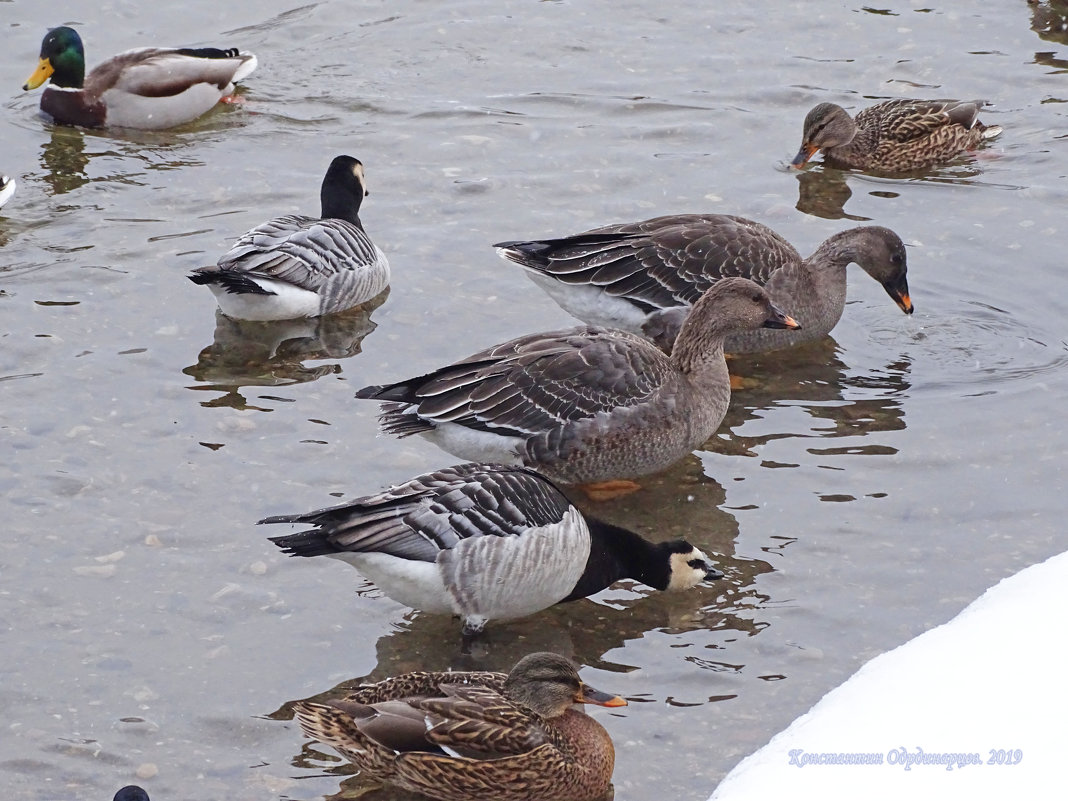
x: 434, y: 512
x: 538, y: 382
x: 307, y: 252
x: 661, y: 262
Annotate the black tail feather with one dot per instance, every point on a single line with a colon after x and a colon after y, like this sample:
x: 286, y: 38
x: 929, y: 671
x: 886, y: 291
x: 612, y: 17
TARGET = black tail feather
x: 234, y: 283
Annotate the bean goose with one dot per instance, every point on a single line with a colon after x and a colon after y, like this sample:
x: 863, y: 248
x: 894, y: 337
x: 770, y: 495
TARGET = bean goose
x: 587, y: 404
x: 643, y: 276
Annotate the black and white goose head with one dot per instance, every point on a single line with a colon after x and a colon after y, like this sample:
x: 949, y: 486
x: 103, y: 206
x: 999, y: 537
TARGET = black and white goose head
x: 343, y: 190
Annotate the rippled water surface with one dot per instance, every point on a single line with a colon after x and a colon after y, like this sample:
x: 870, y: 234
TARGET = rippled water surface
x: 861, y: 490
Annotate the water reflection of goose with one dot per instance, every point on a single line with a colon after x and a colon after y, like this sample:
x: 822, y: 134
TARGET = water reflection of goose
x: 246, y: 353
x: 814, y: 378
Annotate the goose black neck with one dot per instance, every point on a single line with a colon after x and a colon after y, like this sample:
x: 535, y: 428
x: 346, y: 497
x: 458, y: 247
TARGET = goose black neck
x: 340, y: 205
x: 617, y: 553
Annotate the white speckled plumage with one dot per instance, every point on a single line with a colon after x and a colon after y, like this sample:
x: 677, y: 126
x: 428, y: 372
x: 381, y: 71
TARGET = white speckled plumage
x: 643, y: 276
x: 486, y: 542
x: 296, y: 266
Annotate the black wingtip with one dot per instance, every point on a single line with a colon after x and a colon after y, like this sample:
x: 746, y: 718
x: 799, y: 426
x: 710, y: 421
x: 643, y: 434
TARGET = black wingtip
x: 371, y: 392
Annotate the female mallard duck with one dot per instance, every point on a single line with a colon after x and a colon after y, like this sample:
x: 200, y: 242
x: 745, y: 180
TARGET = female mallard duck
x: 586, y: 404
x: 464, y: 736
x: 894, y: 136
x: 7, y: 189
x: 487, y: 541
x: 297, y: 266
x: 152, y: 87
x: 643, y: 276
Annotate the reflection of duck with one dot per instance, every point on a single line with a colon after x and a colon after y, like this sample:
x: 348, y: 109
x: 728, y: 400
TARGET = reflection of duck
x: 895, y: 135
x: 459, y: 736
x: 149, y: 88
x: 7, y: 189
x: 297, y: 266
x: 584, y: 404
x: 486, y: 541
x: 246, y: 353
x: 824, y: 193
x: 64, y: 160
x: 643, y: 276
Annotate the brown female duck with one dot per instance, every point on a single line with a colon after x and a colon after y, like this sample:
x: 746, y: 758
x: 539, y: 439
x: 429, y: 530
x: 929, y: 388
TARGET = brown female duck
x: 471, y: 736
x: 894, y: 136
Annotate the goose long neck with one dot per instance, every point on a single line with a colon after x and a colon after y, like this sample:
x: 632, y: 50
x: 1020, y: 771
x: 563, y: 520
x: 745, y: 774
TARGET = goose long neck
x: 838, y: 251
x: 699, y: 346
x: 617, y: 553
x: 340, y: 206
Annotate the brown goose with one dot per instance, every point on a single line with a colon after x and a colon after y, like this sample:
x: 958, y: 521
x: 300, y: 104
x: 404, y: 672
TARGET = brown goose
x: 587, y: 404
x: 643, y: 276
x: 894, y: 136
x: 150, y: 88
x: 466, y: 736
x: 487, y: 542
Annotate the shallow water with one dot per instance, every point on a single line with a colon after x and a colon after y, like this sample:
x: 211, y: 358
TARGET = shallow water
x: 863, y: 489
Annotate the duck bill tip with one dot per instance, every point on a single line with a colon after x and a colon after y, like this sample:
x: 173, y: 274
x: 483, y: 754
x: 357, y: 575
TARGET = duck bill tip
x: 588, y: 695
x: 803, y: 155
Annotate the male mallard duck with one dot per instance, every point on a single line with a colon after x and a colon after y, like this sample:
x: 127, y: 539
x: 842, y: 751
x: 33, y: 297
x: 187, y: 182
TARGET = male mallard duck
x: 474, y: 735
x: 487, y: 541
x: 298, y: 266
x: 587, y: 404
x: 152, y: 87
x: 894, y: 136
x: 7, y: 189
x: 131, y: 792
x: 643, y: 276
